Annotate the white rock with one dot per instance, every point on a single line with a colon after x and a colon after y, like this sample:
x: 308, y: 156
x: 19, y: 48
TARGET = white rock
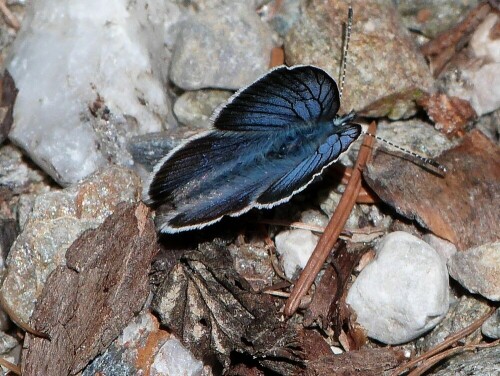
x: 295, y: 248
x: 174, y: 359
x: 403, y: 292
x: 67, y: 55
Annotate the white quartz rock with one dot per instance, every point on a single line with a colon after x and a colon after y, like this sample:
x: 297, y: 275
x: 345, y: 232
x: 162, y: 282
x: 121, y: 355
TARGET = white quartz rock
x: 67, y: 55
x: 403, y: 292
x: 295, y: 247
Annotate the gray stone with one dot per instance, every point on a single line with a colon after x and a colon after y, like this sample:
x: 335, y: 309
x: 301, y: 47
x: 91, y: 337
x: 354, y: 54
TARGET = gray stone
x: 477, y: 269
x: 195, y: 108
x: 228, y: 47
x: 491, y: 327
x: 384, y: 65
x: 16, y: 172
x: 444, y: 248
x: 462, y: 313
x: 57, y: 219
x: 7, y: 343
x: 403, y: 292
x: 484, y: 362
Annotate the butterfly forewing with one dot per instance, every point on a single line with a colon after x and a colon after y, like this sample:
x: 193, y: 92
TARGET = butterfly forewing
x: 283, y: 98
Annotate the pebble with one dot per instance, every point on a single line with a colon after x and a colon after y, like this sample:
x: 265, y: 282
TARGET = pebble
x: 491, y: 327
x: 403, y: 292
x: 295, y: 247
x: 144, y: 348
x: 478, y: 270
x: 57, y: 219
x: 462, y: 313
x: 195, y: 108
x: 226, y: 47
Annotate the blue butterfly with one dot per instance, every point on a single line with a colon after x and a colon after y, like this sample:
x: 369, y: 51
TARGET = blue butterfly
x: 268, y: 143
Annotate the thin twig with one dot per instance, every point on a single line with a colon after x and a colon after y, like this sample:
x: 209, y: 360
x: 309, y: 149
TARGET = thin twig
x: 10, y: 366
x: 445, y: 344
x: 333, y: 230
x: 445, y: 354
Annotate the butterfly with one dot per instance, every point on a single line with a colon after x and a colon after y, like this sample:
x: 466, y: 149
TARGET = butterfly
x: 268, y: 143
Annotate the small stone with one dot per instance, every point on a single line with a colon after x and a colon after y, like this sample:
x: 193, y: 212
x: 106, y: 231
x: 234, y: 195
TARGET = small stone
x: 444, y: 248
x: 477, y: 269
x: 57, y: 219
x: 314, y: 217
x: 195, y: 108
x: 174, y: 359
x: 7, y: 343
x: 226, y: 47
x: 143, y: 347
x: 491, y: 327
x: 16, y: 173
x: 295, y: 247
x: 403, y: 292
x: 462, y: 313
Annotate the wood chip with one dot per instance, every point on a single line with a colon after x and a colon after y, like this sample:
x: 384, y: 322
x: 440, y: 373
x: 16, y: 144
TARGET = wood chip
x: 462, y: 207
x: 85, y: 304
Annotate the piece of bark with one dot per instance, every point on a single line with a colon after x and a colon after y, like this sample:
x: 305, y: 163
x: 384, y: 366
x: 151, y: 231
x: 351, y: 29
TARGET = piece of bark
x: 462, y: 207
x: 327, y: 298
x: 366, y: 362
x: 85, y: 304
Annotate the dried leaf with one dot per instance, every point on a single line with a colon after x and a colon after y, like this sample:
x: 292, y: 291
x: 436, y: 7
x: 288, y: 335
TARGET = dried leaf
x: 462, y: 207
x: 216, y: 314
x: 85, y: 305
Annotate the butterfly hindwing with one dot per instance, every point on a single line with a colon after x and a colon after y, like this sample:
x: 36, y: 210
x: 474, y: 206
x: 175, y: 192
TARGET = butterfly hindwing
x: 304, y: 172
x: 283, y: 98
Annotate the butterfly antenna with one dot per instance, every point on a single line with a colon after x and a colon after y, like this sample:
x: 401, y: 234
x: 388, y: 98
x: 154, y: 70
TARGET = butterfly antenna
x: 425, y: 160
x: 345, y: 50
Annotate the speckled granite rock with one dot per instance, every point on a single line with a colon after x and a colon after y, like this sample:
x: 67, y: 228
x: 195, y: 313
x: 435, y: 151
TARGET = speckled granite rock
x: 57, y: 219
x: 384, y: 65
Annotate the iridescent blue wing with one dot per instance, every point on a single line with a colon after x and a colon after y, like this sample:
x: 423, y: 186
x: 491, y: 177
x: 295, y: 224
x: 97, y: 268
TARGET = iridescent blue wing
x: 296, y: 179
x: 211, y: 175
x: 191, y: 162
x: 283, y: 98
